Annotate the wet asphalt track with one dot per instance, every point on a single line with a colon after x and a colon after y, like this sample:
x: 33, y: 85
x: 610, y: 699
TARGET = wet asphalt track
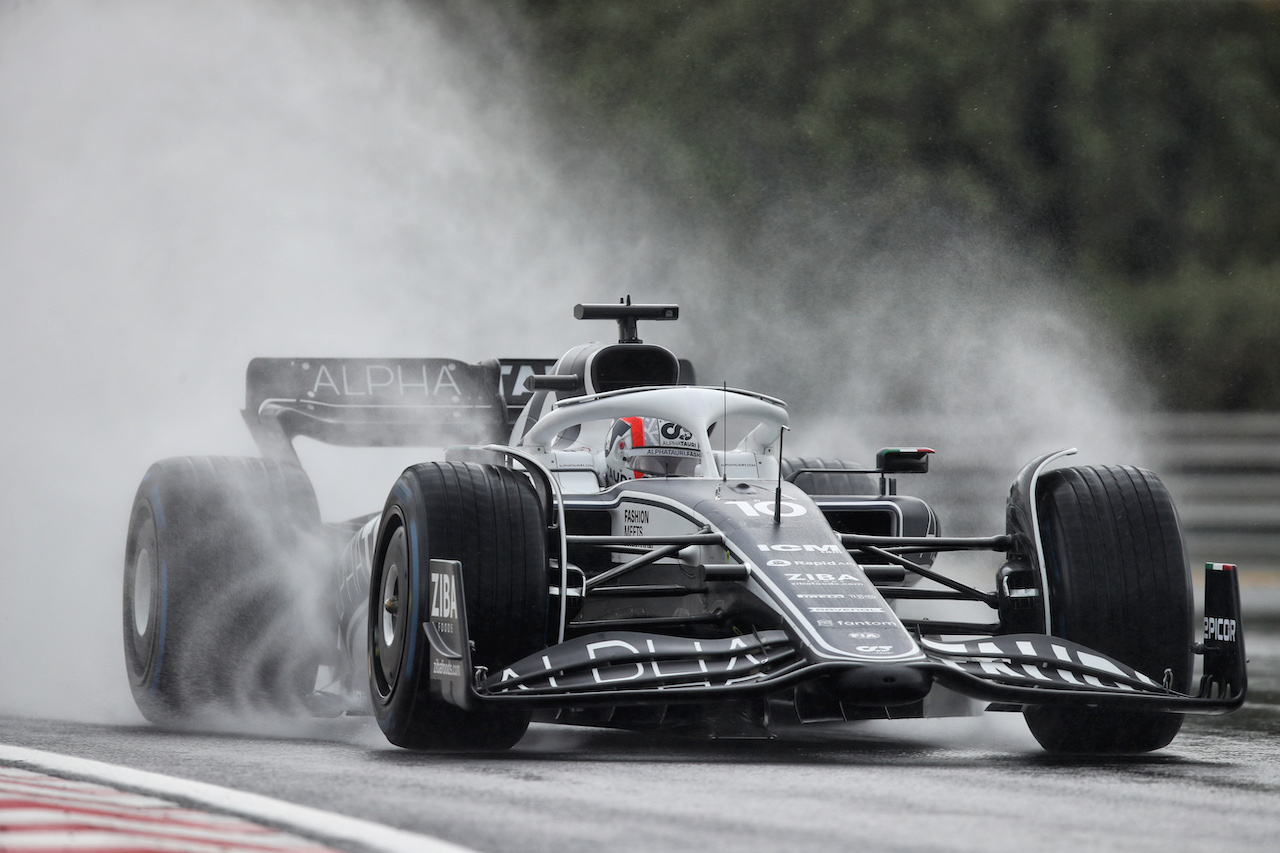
x: 961, y: 785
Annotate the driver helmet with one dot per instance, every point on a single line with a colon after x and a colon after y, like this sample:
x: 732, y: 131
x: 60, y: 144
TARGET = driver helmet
x: 650, y: 447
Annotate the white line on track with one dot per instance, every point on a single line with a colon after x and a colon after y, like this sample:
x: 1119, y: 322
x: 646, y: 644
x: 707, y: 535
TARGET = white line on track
x: 308, y: 822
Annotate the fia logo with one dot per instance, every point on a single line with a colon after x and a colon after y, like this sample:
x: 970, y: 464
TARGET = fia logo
x: 444, y: 600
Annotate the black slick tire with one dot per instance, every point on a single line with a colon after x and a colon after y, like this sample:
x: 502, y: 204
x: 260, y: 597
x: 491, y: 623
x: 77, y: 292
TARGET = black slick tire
x: 490, y: 520
x: 1118, y: 583
x: 224, y: 564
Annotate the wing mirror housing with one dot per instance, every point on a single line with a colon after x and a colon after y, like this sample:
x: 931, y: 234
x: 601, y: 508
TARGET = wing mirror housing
x: 900, y: 460
x: 903, y: 460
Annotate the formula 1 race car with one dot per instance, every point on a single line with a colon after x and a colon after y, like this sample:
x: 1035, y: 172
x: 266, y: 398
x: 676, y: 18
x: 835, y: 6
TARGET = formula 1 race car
x: 610, y: 544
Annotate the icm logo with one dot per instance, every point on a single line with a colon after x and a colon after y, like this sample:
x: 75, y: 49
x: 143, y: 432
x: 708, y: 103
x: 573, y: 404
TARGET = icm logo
x: 444, y: 600
x: 785, y: 547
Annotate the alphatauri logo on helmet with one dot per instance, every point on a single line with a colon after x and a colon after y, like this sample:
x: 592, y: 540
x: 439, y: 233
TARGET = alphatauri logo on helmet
x: 674, y: 432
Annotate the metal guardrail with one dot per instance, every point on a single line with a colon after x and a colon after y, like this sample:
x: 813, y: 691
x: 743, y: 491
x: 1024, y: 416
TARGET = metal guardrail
x: 1223, y: 471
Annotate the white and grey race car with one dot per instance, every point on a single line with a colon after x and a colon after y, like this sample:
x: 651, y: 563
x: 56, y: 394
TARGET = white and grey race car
x: 606, y: 543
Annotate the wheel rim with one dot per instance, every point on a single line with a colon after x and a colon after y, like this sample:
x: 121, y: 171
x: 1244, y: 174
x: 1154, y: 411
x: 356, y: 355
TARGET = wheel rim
x: 143, y: 586
x: 389, y: 619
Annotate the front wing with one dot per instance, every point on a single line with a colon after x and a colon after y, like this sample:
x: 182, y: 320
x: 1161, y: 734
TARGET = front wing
x: 634, y: 668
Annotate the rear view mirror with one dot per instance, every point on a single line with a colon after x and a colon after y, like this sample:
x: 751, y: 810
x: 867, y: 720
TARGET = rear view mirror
x: 903, y: 460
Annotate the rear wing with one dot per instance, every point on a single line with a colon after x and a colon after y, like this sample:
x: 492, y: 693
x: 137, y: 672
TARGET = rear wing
x: 389, y: 402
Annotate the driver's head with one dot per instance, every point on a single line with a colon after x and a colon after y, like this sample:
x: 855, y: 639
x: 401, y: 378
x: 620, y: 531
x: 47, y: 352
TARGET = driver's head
x: 639, y: 447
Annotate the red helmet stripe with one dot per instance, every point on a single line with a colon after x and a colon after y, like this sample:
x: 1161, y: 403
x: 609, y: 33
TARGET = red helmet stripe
x: 637, y: 437
x: 637, y: 431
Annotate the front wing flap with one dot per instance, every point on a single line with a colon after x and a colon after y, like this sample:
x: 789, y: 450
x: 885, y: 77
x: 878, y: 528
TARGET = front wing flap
x: 613, y: 661
x: 1034, y: 669
x: 1037, y: 660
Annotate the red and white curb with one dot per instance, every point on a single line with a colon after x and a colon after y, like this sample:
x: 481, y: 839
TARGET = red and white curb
x: 39, y: 812
x: 54, y: 802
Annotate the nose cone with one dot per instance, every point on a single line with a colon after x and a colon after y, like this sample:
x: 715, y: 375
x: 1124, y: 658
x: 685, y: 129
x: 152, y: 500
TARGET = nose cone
x: 882, y: 684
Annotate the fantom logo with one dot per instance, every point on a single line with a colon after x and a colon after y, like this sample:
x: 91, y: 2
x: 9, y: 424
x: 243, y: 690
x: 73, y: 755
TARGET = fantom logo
x: 444, y: 599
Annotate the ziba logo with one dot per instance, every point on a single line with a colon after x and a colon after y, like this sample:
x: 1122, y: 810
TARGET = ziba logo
x: 444, y: 600
x: 821, y: 577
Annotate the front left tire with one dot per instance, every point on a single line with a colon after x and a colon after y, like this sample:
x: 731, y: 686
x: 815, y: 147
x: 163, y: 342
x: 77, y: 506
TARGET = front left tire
x: 491, y: 520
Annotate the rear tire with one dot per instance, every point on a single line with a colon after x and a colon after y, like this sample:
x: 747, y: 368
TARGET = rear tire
x: 816, y: 483
x: 491, y: 521
x: 212, y: 621
x: 1118, y: 583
